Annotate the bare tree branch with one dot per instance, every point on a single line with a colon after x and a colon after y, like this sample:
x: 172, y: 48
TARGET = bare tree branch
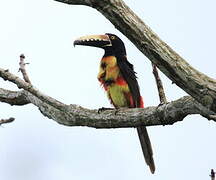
x: 199, y: 86
x: 23, y: 70
x: 195, y: 83
x: 5, y: 121
x: 73, y: 115
x: 13, y: 97
x: 159, y: 84
x: 6, y: 75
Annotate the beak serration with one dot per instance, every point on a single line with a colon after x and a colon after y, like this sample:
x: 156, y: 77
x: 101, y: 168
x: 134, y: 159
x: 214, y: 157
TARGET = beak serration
x: 93, y: 40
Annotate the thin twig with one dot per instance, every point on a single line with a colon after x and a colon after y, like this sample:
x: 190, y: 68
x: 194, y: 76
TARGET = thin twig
x: 212, y: 175
x: 160, y: 88
x: 6, y: 75
x: 4, y: 121
x: 26, y: 79
x: 22, y: 69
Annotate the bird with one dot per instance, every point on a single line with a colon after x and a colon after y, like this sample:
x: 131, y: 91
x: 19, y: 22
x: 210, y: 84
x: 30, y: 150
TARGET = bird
x: 119, y: 80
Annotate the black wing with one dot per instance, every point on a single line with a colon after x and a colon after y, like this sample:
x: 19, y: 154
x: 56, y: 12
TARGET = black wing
x: 128, y: 73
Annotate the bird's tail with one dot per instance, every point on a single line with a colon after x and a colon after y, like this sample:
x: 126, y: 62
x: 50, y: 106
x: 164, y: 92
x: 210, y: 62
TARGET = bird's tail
x: 146, y: 147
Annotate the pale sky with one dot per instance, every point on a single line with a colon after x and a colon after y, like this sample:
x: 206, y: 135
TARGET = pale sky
x: 34, y: 147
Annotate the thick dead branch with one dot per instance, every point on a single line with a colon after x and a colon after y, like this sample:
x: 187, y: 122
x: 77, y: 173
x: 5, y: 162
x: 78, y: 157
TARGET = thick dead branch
x: 13, y: 97
x: 195, y: 83
x: 73, y: 115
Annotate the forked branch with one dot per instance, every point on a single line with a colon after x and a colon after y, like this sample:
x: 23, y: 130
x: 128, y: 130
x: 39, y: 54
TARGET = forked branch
x: 73, y: 115
x: 198, y: 85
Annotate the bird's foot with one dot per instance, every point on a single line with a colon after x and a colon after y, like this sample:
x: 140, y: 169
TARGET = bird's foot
x: 116, y: 110
x: 103, y: 109
x: 162, y: 103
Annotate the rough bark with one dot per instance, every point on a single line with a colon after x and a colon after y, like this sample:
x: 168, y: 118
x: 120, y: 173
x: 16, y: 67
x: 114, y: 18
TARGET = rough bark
x: 159, y: 84
x: 178, y: 70
x: 195, y: 83
x: 73, y: 115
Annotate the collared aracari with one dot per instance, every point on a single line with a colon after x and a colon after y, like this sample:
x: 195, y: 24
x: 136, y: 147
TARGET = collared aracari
x: 117, y: 76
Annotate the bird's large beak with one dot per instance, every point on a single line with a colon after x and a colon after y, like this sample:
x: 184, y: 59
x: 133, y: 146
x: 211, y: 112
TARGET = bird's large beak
x: 94, y: 40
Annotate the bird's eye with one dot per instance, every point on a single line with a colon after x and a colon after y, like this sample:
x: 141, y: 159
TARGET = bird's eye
x: 112, y: 37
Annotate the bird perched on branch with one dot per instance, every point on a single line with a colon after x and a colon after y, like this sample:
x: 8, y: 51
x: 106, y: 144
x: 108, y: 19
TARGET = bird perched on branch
x: 117, y: 76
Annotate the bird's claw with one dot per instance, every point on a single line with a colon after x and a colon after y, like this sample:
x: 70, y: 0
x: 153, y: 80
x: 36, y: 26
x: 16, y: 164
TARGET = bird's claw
x: 109, y: 109
x: 116, y: 111
x: 161, y: 104
x: 103, y: 109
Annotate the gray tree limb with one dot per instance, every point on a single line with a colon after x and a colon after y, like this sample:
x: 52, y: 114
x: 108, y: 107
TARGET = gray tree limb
x: 195, y: 83
x: 73, y: 115
x: 178, y: 70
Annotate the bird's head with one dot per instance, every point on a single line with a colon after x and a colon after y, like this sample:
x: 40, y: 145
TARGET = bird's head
x: 111, y: 43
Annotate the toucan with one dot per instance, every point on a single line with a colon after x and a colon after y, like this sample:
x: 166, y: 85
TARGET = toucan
x: 118, y: 78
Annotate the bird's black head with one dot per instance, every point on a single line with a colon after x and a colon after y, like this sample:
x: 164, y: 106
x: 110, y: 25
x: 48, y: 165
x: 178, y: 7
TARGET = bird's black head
x: 111, y: 43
